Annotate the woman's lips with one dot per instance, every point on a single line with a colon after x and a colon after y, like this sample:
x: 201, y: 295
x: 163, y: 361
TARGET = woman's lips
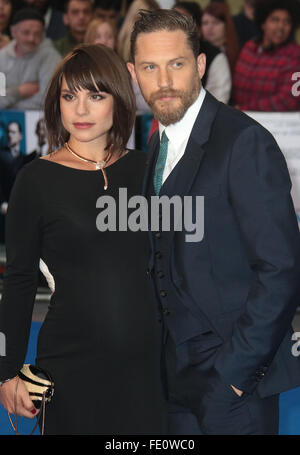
x: 83, y: 126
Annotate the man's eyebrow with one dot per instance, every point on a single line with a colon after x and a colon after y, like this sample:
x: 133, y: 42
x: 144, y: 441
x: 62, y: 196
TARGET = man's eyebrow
x: 170, y: 61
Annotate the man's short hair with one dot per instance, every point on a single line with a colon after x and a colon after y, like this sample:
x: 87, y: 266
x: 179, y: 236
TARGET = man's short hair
x: 165, y: 20
x: 108, y: 4
x: 67, y: 2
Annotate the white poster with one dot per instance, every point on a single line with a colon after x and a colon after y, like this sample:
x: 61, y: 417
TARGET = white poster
x: 285, y: 127
x: 36, y: 134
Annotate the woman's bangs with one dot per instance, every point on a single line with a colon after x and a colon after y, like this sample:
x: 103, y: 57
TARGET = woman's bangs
x: 80, y: 76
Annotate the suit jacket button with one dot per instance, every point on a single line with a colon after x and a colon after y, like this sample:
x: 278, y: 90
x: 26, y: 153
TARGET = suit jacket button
x: 158, y: 235
x: 158, y: 255
x: 163, y: 293
x: 160, y: 274
x: 166, y: 312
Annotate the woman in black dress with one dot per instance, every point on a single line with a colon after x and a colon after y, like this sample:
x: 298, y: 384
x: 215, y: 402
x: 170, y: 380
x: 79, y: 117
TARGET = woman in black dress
x: 100, y: 337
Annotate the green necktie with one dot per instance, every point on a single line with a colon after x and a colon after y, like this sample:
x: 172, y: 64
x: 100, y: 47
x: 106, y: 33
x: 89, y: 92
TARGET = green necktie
x: 161, y: 162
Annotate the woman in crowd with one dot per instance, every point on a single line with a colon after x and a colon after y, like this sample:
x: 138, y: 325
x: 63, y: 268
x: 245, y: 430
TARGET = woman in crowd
x: 217, y: 77
x: 101, y: 31
x: 6, y: 13
x: 263, y: 78
x: 126, y: 29
x: 99, y: 340
x: 218, y: 29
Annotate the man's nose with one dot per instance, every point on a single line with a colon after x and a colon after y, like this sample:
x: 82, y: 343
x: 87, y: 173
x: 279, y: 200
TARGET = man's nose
x: 164, y: 78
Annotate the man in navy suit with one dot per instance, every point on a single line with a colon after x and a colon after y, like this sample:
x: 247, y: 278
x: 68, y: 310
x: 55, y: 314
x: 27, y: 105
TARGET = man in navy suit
x: 226, y: 301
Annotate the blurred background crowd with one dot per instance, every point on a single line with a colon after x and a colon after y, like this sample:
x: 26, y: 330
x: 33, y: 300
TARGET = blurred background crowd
x: 252, y: 46
x: 252, y: 49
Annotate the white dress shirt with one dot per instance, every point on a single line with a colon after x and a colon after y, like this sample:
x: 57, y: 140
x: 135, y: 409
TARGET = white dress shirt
x: 179, y: 133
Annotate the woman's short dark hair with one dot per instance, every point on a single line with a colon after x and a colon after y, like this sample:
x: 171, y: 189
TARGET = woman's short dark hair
x: 264, y: 8
x: 168, y: 20
x: 85, y: 66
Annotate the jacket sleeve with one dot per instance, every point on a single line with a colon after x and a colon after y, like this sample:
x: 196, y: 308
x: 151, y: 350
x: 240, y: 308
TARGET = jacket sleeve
x: 260, y: 186
x: 23, y: 233
x: 45, y: 72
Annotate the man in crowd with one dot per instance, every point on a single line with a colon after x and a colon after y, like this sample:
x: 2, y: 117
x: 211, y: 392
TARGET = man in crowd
x: 109, y: 10
x: 54, y: 26
x: 77, y: 16
x: 14, y: 138
x: 27, y: 62
x: 244, y: 22
x: 11, y: 161
x: 227, y: 294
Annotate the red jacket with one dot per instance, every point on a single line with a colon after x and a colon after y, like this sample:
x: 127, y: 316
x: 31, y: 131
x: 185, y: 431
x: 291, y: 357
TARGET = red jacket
x: 263, y: 79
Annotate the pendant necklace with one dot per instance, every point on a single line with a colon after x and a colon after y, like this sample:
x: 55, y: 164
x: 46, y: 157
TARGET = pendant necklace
x: 99, y: 164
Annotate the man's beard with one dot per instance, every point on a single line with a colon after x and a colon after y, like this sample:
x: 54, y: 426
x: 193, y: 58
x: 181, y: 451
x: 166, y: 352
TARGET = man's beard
x: 167, y: 115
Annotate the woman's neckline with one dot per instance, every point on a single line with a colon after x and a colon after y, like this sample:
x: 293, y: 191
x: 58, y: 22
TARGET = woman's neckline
x: 87, y: 170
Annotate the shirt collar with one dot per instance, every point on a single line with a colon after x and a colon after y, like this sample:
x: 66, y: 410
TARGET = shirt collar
x: 180, y: 131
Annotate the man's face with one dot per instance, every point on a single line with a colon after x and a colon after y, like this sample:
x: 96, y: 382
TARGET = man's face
x: 41, y: 132
x: 28, y: 35
x: 78, y: 16
x: 277, y: 28
x: 167, y: 72
x: 14, y: 134
x: 107, y: 14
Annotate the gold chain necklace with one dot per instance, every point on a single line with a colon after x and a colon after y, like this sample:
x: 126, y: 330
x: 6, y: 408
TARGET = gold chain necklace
x: 99, y: 164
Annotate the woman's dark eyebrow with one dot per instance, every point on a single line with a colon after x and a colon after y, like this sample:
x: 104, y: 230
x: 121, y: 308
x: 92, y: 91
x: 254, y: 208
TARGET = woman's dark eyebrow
x: 65, y: 90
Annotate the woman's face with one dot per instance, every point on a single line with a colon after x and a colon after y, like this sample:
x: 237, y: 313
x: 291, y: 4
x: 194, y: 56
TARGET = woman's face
x: 213, y: 30
x: 105, y: 35
x: 277, y: 28
x: 87, y: 116
x: 5, y: 13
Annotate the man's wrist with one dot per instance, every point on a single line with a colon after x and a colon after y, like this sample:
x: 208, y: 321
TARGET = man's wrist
x: 6, y: 380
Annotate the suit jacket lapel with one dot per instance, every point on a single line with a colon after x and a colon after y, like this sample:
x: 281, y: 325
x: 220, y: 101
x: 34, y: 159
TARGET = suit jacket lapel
x: 152, y: 152
x: 194, y: 153
x: 191, y: 161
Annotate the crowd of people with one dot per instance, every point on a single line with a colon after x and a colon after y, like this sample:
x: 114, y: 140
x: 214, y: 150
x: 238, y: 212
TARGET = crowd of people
x: 175, y: 329
x: 250, y: 56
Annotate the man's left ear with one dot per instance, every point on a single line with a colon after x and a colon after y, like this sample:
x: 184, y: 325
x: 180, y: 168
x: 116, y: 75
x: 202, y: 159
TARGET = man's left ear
x: 130, y: 67
x: 201, y: 64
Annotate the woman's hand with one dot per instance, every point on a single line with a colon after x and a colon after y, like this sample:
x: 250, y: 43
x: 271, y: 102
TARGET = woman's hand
x: 25, y: 406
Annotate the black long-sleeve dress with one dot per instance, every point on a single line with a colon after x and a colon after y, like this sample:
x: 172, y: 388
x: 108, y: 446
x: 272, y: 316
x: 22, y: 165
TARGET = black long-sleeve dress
x: 100, y: 337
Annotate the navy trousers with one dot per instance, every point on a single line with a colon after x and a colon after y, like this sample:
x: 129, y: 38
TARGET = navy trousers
x: 200, y: 402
